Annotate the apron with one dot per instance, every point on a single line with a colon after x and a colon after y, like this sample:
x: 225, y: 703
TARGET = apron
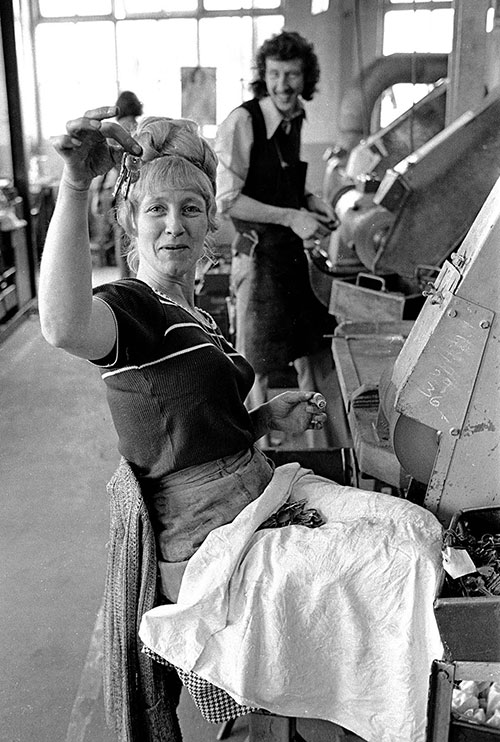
x: 278, y: 317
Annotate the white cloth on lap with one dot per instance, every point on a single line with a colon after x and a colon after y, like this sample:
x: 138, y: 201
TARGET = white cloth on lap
x: 333, y: 623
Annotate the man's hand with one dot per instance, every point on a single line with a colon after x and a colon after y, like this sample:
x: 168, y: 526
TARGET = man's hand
x: 85, y: 149
x: 322, y: 210
x: 307, y: 225
x: 316, y: 222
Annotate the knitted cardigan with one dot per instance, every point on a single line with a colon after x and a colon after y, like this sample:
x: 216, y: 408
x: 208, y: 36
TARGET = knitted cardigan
x: 140, y: 695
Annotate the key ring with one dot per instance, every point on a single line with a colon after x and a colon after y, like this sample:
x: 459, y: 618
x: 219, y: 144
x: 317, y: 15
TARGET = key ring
x: 129, y: 173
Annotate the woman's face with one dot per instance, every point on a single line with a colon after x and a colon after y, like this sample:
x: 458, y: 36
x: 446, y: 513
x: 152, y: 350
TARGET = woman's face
x: 171, y: 228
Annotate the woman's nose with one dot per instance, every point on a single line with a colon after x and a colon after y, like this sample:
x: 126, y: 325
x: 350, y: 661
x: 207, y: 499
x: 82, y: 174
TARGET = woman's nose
x: 174, y: 225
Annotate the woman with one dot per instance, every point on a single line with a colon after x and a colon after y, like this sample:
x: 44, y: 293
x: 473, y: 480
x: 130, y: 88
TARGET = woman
x: 335, y: 622
x: 129, y: 109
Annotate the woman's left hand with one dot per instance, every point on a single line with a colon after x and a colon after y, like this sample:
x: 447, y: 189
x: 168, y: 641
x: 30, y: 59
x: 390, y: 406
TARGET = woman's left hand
x: 294, y: 412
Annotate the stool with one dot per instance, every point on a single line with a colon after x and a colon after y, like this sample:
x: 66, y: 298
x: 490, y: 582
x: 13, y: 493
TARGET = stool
x: 264, y: 728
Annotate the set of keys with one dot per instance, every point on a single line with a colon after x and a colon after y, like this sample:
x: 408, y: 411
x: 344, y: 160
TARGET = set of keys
x: 129, y: 173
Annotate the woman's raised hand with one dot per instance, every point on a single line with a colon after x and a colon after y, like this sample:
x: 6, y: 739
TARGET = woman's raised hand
x: 86, y: 149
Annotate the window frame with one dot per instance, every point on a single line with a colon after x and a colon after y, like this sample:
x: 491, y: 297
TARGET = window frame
x: 393, y: 6
x: 118, y: 15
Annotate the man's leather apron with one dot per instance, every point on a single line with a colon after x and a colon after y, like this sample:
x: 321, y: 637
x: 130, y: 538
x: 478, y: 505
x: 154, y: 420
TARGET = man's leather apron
x: 278, y: 316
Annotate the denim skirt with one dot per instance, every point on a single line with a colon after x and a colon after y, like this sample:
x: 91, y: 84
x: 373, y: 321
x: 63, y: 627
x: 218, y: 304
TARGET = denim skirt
x: 192, y: 502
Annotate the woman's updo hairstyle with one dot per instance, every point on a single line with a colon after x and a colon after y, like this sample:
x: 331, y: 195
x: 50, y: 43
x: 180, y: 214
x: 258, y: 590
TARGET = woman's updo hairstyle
x: 174, y: 156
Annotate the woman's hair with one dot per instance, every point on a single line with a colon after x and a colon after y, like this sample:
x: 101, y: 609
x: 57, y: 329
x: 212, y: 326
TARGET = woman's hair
x: 174, y: 156
x: 284, y: 47
x: 129, y: 104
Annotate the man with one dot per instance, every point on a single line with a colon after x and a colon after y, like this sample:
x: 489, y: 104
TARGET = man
x: 261, y: 186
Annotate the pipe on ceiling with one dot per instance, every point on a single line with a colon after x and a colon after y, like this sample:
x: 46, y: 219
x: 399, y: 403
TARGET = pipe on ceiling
x: 359, y: 100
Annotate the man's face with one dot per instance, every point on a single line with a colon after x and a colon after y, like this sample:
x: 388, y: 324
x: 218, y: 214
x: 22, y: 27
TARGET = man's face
x: 285, y: 82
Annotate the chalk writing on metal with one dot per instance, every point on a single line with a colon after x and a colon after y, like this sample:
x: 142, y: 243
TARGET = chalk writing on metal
x: 443, y: 376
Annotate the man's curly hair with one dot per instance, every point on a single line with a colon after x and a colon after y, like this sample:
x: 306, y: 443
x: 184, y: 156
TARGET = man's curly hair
x: 285, y: 46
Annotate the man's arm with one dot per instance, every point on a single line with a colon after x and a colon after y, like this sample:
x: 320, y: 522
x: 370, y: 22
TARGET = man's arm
x: 303, y: 223
x: 233, y: 146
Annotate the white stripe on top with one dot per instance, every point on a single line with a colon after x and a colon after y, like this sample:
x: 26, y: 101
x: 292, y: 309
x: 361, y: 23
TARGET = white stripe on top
x: 157, y: 360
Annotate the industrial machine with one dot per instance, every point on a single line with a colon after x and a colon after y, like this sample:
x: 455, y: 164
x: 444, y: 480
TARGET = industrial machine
x: 397, y: 229
x: 417, y: 352
x: 442, y: 400
x: 425, y: 395
x: 350, y: 175
x: 417, y: 345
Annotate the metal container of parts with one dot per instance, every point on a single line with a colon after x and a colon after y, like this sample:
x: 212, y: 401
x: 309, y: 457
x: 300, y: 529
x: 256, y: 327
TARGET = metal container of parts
x: 442, y: 724
x: 460, y: 731
x: 386, y: 298
x: 470, y: 626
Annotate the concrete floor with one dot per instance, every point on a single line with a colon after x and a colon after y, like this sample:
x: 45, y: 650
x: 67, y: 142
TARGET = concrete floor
x: 57, y: 452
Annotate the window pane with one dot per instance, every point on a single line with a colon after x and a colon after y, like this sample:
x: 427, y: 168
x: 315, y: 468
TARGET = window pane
x: 266, y: 26
x: 223, y: 4
x: 60, y: 8
x: 226, y: 44
x: 398, y: 99
x: 6, y: 168
x: 418, y: 31
x: 67, y: 90
x: 156, y: 6
x: 150, y: 57
x: 413, y: 31
x: 241, y: 4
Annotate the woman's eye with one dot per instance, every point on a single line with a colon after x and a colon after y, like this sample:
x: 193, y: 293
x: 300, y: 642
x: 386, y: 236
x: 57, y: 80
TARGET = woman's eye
x: 192, y: 210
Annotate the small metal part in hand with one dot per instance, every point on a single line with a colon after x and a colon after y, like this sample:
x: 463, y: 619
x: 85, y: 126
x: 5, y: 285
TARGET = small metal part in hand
x: 315, y: 425
x: 318, y: 400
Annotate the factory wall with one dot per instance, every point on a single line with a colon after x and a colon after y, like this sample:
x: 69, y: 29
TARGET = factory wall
x: 345, y: 42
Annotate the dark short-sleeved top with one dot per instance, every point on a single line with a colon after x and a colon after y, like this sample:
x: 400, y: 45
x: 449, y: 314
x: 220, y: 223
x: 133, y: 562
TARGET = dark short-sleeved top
x: 175, y: 386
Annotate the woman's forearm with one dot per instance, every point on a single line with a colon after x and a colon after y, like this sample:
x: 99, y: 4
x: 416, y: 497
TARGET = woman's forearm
x: 261, y: 420
x: 65, y: 290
